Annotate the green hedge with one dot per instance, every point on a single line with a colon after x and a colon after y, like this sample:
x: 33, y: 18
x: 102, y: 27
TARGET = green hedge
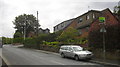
x: 30, y: 43
x: 18, y: 40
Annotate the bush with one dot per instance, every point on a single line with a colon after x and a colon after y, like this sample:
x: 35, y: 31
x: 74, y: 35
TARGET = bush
x: 30, y: 43
x: 18, y: 40
x: 50, y: 43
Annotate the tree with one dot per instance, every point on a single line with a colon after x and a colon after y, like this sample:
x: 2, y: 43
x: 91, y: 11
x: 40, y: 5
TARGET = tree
x: 27, y: 23
x: 68, y: 35
x: 6, y: 40
x: 17, y: 34
x: 117, y: 10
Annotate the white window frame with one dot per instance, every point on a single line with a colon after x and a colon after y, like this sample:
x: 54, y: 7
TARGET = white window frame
x: 93, y: 15
x: 80, y: 20
x: 87, y: 17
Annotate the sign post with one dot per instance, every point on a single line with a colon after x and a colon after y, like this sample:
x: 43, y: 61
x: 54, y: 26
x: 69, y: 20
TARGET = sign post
x: 103, y: 30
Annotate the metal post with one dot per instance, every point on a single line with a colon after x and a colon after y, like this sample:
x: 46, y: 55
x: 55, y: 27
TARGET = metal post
x: 24, y: 32
x: 37, y: 24
x: 104, y: 51
x: 24, y: 28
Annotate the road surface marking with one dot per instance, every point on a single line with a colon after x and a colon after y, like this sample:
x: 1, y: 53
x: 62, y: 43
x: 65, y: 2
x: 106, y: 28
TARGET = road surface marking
x: 5, y: 60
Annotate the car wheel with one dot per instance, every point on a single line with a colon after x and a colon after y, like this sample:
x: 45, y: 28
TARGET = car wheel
x: 76, y: 57
x: 62, y: 55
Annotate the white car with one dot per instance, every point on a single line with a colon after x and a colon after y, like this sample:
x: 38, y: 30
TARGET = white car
x: 75, y: 51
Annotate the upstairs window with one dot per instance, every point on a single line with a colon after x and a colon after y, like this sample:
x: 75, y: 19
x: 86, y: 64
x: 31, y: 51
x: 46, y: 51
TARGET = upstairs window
x: 93, y: 15
x: 80, y: 20
x: 87, y: 29
x: 80, y: 32
x: 62, y: 25
x: 56, y: 27
x: 87, y: 17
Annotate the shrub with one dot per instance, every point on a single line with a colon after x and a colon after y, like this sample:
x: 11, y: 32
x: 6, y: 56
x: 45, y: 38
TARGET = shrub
x: 30, y: 43
x: 18, y: 40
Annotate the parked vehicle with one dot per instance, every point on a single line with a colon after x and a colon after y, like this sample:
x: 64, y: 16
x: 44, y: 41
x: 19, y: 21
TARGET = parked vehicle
x: 75, y: 52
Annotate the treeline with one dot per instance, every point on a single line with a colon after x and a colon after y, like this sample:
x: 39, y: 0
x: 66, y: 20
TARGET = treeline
x: 6, y: 40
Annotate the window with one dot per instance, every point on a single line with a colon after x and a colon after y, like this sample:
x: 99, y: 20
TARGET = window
x: 80, y: 32
x: 80, y: 20
x: 56, y: 27
x: 66, y: 48
x: 93, y: 15
x: 62, y: 24
x: 62, y: 48
x: 77, y: 48
x: 70, y: 49
x: 87, y: 29
x: 87, y: 17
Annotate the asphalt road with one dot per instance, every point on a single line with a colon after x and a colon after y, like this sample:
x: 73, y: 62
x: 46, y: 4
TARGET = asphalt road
x: 21, y: 56
x: 0, y: 56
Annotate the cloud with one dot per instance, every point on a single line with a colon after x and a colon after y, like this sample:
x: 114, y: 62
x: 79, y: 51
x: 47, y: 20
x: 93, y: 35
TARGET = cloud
x: 103, y: 5
x: 51, y: 12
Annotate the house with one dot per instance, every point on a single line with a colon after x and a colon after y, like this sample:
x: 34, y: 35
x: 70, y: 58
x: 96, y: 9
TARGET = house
x: 111, y: 36
x: 43, y: 31
x: 83, y: 22
x: 40, y: 31
x: 110, y: 20
x: 62, y: 25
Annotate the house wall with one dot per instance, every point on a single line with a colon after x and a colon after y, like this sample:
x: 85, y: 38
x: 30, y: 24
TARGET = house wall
x: 110, y: 20
x: 62, y: 25
x: 77, y: 23
x: 84, y: 26
x: 85, y: 21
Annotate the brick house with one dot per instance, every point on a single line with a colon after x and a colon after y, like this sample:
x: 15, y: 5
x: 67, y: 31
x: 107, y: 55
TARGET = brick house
x: 111, y: 20
x: 112, y: 34
x: 83, y: 22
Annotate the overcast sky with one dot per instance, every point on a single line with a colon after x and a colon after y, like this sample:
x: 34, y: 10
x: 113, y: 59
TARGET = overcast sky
x: 51, y: 12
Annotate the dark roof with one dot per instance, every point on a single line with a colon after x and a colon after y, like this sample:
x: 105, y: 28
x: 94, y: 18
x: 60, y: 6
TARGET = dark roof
x: 65, y: 21
x: 87, y: 24
x: 89, y: 12
x: 76, y: 17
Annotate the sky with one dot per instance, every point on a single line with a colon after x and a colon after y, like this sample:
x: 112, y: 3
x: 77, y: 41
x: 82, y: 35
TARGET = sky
x: 51, y: 12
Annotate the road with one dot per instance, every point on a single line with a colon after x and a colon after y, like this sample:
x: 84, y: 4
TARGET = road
x: 21, y: 56
x: 0, y: 56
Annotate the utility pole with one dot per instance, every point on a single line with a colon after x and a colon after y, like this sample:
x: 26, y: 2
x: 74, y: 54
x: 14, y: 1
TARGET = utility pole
x: 37, y: 31
x: 37, y: 24
x: 24, y: 29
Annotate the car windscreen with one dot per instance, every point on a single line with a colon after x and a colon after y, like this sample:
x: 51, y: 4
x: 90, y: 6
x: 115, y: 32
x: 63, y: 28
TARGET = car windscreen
x: 77, y: 48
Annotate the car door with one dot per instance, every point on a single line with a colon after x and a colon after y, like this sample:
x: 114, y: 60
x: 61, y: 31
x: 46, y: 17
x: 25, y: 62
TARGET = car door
x: 70, y: 52
x: 66, y: 51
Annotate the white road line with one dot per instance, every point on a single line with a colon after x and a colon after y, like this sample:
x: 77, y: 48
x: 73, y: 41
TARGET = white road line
x: 57, y: 62
x: 5, y: 60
